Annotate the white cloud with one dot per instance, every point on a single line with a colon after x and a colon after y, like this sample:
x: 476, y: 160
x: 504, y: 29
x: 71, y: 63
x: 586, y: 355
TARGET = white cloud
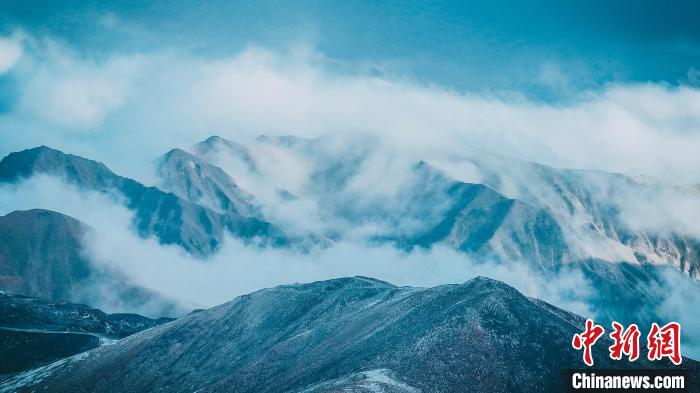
x: 10, y: 53
x: 238, y: 269
x: 66, y: 92
x: 147, y: 99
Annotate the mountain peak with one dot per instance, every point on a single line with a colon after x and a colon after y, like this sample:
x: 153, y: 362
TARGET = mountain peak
x: 483, y: 281
x: 38, y: 213
x: 177, y: 154
x: 216, y: 139
x: 44, y: 159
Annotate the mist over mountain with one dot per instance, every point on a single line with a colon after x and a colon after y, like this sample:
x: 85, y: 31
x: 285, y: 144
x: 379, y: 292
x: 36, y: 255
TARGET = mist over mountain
x: 349, y: 173
x: 355, y: 189
x: 190, y: 178
x: 42, y: 255
x: 343, y: 333
x: 173, y: 220
x: 479, y: 202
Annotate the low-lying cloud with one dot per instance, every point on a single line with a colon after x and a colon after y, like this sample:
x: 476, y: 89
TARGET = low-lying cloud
x: 238, y: 269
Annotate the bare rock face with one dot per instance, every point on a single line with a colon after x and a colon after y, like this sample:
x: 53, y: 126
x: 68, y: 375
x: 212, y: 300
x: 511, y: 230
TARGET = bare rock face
x: 352, y: 333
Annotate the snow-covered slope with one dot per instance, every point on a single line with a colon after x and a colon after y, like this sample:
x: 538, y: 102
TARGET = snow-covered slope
x: 349, y: 333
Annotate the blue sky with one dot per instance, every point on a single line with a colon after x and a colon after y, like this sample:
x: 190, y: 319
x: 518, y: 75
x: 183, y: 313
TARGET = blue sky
x: 528, y: 46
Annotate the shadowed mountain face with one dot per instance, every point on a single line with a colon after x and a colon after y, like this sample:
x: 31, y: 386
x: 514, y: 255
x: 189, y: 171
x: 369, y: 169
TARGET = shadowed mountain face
x: 24, y: 312
x: 34, y: 332
x: 41, y: 256
x: 172, y: 220
x: 350, y: 332
x: 481, y: 221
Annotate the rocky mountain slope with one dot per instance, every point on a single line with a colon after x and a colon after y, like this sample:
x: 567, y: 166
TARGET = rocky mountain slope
x: 343, y: 333
x: 193, y: 179
x: 286, y: 190
x: 35, y: 332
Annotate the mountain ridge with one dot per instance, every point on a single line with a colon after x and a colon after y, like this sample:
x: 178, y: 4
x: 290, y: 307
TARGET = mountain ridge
x: 173, y: 220
x: 482, y: 333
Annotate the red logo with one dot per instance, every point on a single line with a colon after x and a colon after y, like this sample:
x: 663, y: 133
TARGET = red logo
x: 626, y: 343
x: 662, y: 342
x: 665, y: 342
x: 586, y: 340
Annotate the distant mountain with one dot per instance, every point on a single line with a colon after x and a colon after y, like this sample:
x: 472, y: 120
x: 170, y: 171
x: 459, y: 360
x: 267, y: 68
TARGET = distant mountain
x: 589, y: 206
x: 41, y: 255
x: 198, y: 229
x: 34, y: 332
x: 344, y: 333
x: 285, y: 191
x: 28, y: 313
x: 481, y: 221
x: 513, y: 210
x: 195, y: 180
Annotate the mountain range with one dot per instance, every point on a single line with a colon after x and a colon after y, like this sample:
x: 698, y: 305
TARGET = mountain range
x: 514, y: 210
x: 299, y: 196
x: 252, y: 191
x: 172, y: 220
x: 347, y: 334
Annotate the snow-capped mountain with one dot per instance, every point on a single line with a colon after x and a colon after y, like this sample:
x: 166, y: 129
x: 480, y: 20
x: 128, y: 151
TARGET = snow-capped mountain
x: 344, y: 333
x: 480, y: 203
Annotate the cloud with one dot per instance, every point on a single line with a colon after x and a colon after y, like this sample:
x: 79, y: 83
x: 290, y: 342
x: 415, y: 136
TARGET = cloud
x: 10, y: 53
x: 682, y: 294
x: 73, y: 95
x: 238, y: 269
x: 141, y: 100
